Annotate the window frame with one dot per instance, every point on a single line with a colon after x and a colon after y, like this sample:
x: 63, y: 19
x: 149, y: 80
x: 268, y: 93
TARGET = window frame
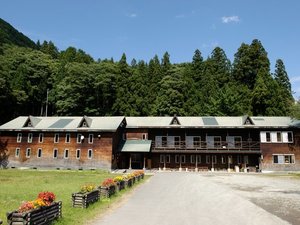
x: 281, y: 159
x: 19, y: 137
x: 177, y: 159
x: 78, y: 150
x: 90, y: 156
x: 39, y: 150
x: 17, y: 152
x: 55, y: 150
x: 29, y: 138
x: 68, y: 153
x: 79, y: 138
x: 56, y: 138
x: 144, y: 136
x: 68, y: 138
x: 91, y: 138
x: 28, y: 153
x: 41, y: 137
x: 207, y: 159
x: 182, y: 159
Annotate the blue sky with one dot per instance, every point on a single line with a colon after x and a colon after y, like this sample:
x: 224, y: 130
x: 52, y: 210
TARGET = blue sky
x: 141, y: 28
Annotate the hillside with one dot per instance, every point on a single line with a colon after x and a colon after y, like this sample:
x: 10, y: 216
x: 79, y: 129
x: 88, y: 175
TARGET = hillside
x: 9, y: 35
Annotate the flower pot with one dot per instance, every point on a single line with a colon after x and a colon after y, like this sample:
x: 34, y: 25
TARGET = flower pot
x: 107, y: 192
x: 120, y: 185
x: 82, y: 200
x: 39, y: 216
x: 128, y: 183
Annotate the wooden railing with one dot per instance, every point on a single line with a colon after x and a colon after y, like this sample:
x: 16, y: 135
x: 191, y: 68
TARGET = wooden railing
x: 204, y: 146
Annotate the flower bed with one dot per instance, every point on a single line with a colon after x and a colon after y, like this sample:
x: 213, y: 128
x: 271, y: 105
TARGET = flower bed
x: 119, y: 180
x: 43, y: 210
x: 87, y: 195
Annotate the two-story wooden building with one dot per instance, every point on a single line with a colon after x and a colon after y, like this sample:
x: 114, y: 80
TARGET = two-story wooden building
x: 193, y: 143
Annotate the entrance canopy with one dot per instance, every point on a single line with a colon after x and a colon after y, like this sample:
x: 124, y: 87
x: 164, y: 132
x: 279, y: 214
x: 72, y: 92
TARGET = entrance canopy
x: 136, y: 146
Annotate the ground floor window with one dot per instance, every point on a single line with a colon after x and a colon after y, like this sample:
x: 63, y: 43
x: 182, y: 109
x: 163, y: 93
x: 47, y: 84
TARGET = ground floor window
x: 223, y: 159
x: 55, y: 153
x: 182, y: 158
x: 90, y: 153
x: 198, y: 158
x: 17, y: 154
x: 176, y: 158
x: 208, y: 159
x: 214, y: 159
x: 28, y: 152
x: 66, y: 154
x: 78, y: 154
x: 39, y: 153
x: 192, y: 158
x: 283, y: 158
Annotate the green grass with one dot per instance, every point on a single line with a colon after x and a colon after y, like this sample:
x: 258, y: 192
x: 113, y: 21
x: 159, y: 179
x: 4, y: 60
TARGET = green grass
x: 24, y: 185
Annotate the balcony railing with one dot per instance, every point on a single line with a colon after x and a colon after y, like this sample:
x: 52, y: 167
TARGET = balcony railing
x: 206, y: 146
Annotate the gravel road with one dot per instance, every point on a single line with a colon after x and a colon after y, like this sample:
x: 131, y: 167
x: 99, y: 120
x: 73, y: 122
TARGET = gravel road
x: 176, y: 198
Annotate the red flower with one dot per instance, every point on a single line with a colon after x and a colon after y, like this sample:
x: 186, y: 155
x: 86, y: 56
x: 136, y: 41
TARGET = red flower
x: 47, y: 197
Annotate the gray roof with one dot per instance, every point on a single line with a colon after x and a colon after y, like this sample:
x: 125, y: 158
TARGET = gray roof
x: 136, y: 146
x: 210, y: 122
x: 64, y: 123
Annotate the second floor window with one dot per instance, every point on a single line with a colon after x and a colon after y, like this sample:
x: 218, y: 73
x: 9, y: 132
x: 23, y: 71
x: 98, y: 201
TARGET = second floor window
x: 41, y: 138
x: 56, y: 138
x: 19, y: 138
x: 67, y: 138
x: 30, y: 138
x: 91, y: 138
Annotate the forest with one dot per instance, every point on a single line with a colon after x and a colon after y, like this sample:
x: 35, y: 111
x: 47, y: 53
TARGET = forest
x: 39, y: 79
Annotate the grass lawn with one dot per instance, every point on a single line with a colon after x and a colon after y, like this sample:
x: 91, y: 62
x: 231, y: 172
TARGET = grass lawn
x: 24, y: 185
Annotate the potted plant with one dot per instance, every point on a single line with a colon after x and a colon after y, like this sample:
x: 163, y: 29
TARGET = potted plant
x: 87, y: 195
x: 43, y: 210
x: 128, y: 180
x: 119, y: 180
x: 107, y: 188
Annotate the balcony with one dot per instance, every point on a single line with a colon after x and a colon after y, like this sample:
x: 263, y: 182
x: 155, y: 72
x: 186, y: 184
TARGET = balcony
x: 207, y: 147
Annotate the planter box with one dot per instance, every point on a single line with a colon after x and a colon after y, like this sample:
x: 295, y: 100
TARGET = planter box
x: 82, y: 200
x: 40, y: 216
x: 106, y: 192
x: 142, y: 176
x: 128, y: 183
x: 120, y: 185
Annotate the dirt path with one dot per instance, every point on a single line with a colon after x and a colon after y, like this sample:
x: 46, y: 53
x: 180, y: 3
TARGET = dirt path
x: 173, y: 198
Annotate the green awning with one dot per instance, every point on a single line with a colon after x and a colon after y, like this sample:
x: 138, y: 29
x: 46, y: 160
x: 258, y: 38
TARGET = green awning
x: 136, y: 146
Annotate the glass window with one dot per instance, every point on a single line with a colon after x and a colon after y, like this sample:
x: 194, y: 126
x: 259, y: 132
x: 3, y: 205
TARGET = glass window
x: 78, y: 152
x: 177, y: 141
x: 28, y: 152
x: 176, y: 158
x: 283, y: 159
x: 67, y: 138
x: 223, y: 159
x: 275, y: 158
x: 39, y: 153
x: 41, y: 138
x: 290, y: 136
x: 164, y: 141
x: 17, y: 153
x: 56, y: 138
x: 29, y: 138
x: 168, y: 158
x: 91, y: 138
x: 19, y: 137
x: 144, y: 137
x: 79, y: 138
x: 90, y: 153
x: 66, y: 154
x: 214, y: 159
x: 207, y: 159
x: 217, y: 142
x: 192, y: 158
x: 162, y: 158
x: 198, y: 158
x: 182, y: 158
x: 278, y: 134
x: 55, y: 153
x: 237, y: 142
x: 196, y: 141
x: 268, y: 136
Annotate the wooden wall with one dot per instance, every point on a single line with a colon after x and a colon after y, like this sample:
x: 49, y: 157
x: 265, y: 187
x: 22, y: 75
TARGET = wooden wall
x: 101, y: 148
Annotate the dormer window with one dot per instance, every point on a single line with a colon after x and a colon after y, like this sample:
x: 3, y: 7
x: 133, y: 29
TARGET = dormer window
x: 175, y: 121
x: 248, y: 121
x: 85, y: 122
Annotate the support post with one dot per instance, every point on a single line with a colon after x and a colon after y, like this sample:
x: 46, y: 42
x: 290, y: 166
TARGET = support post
x: 144, y: 166
x: 130, y: 162
x: 196, y: 166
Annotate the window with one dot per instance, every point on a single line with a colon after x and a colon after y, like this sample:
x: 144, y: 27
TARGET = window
x: 162, y: 158
x: 39, y: 153
x: 168, y: 158
x: 207, y: 159
x: 29, y: 138
x: 196, y: 141
x: 268, y: 137
x: 67, y: 138
x: 182, y: 158
x: 55, y: 153
x: 17, y: 153
x: 91, y: 138
x: 230, y: 159
x: 284, y: 159
x: 41, y: 138
x: 198, y: 158
x: 177, y: 141
x: 19, y: 137
x: 28, y: 152
x: 223, y: 159
x: 144, y: 137
x: 90, y: 153
x: 237, y: 142
x: 214, y: 159
x: 164, y: 142
x: 290, y: 137
x: 246, y: 159
x: 66, y: 153
x: 56, y: 138
x: 192, y: 158
x: 217, y: 142
x: 278, y: 136
x: 176, y: 158
x: 239, y: 159
x: 79, y: 138
x: 78, y: 152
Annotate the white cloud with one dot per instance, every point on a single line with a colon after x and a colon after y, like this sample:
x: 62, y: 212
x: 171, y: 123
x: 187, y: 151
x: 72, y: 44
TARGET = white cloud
x: 180, y: 16
x: 295, y: 79
x: 230, y: 19
x: 213, y: 44
x: 131, y: 15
